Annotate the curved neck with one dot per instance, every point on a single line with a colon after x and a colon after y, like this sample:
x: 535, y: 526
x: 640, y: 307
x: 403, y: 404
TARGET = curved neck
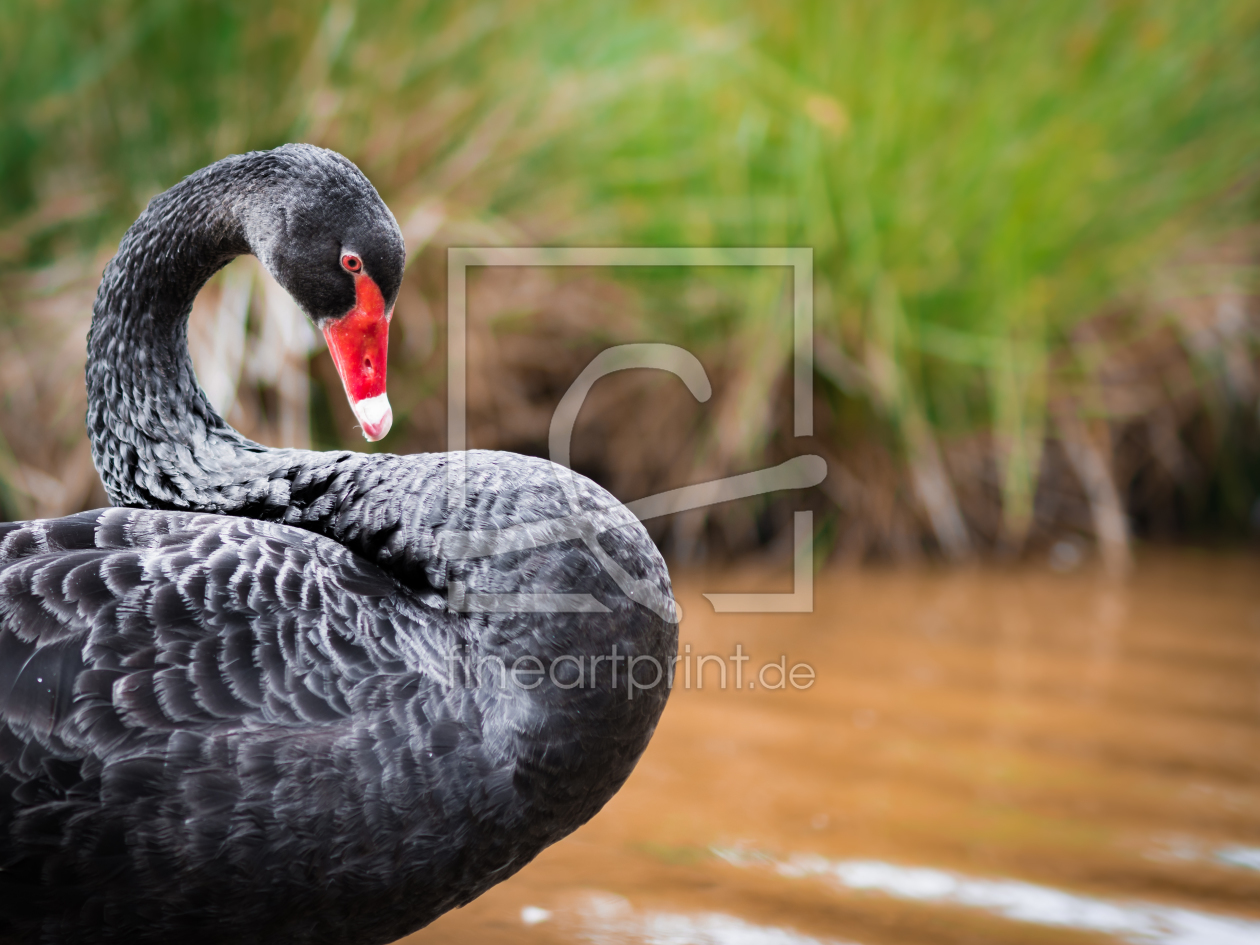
x: 156, y: 440
x: 150, y: 425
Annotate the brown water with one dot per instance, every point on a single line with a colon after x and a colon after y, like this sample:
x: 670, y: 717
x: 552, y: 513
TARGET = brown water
x: 996, y: 756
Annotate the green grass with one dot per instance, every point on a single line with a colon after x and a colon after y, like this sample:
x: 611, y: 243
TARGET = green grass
x: 976, y: 178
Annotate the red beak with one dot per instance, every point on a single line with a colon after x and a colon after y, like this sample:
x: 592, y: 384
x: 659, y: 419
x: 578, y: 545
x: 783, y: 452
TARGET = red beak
x: 359, y: 344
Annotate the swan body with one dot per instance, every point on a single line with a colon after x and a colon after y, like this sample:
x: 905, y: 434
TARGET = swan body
x: 240, y: 707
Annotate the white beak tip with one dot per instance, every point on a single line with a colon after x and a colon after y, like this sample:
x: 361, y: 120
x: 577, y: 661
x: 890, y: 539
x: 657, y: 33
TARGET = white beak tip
x: 375, y: 416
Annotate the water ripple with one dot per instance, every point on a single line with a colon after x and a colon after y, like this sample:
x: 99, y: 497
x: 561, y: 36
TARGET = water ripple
x: 1144, y: 923
x: 610, y: 920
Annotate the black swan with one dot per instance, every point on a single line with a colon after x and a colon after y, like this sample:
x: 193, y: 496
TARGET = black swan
x: 240, y: 707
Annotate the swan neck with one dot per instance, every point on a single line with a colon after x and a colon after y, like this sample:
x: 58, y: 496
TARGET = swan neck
x: 156, y: 440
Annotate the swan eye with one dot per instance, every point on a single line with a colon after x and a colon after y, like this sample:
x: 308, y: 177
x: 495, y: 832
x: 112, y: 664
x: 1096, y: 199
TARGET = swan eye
x: 351, y: 263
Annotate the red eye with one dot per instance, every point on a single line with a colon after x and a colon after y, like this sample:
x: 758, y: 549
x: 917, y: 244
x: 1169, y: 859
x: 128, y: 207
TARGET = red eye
x: 351, y: 263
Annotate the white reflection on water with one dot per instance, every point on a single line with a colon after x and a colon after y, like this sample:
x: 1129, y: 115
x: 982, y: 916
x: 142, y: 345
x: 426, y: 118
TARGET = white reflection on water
x: 610, y: 920
x: 1246, y: 857
x: 1138, y: 922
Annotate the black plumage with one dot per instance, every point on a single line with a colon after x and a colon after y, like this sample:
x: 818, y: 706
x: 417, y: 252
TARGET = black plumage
x: 243, y: 709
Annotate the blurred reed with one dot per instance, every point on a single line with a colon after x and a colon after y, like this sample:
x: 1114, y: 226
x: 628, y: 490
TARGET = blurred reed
x: 1033, y: 226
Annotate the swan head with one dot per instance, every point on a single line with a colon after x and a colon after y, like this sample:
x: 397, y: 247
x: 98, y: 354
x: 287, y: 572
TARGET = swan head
x: 322, y: 230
